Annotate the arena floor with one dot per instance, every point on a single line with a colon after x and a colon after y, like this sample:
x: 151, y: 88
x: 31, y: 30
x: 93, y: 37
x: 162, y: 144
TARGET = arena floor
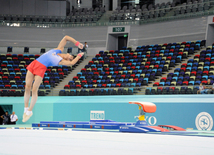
x: 34, y: 142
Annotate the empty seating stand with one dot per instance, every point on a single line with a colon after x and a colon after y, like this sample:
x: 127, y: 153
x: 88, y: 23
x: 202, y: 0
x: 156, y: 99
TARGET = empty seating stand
x: 193, y: 6
x: 13, y: 72
x: 140, y: 12
x: 186, y: 80
x: 150, y: 11
x: 129, y: 68
x: 81, y: 15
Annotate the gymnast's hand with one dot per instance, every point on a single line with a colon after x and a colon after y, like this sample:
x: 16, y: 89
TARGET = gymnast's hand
x: 82, y: 53
x: 80, y: 46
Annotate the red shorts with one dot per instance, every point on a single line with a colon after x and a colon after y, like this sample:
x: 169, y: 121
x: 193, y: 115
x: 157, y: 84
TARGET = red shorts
x: 37, y: 68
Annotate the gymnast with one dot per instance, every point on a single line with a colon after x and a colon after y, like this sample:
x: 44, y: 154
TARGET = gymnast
x: 38, y: 67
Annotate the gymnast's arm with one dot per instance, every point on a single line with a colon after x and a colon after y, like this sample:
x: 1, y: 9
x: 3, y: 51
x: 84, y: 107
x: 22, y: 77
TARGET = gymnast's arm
x: 70, y: 63
x: 64, y: 41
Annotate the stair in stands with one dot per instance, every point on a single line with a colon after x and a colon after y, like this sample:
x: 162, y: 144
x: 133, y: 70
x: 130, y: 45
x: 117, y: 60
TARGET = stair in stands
x: 105, y: 17
x: 55, y: 91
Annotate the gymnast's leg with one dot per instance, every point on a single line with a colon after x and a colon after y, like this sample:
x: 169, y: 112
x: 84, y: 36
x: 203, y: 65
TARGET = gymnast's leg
x: 28, y: 84
x: 36, y: 84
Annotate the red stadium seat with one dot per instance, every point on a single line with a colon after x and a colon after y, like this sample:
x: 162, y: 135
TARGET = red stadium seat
x: 163, y: 79
x: 184, y: 69
x: 148, y: 63
x: 160, y: 88
x: 157, y: 52
x: 173, y: 88
x: 96, y: 73
x: 185, y: 83
x: 104, y: 85
x: 3, y: 65
x: 135, y: 80
x: 84, y: 81
x: 106, y: 69
x: 15, y: 58
x: 146, y: 67
x: 133, y: 67
x: 122, y: 61
x: 118, y: 84
x: 180, y: 53
x: 20, y: 55
x: 206, y: 72
x: 46, y: 82
x: 94, y: 69
x: 59, y: 70
x: 7, y: 86
x: 207, y: 59
x: 101, y: 62
x: 129, y: 64
x: 98, y: 55
x: 67, y: 87
x: 197, y: 56
x: 5, y: 78
x: 193, y: 73
x: 184, y: 65
x: 83, y: 70
x: 204, y: 82
x: 17, y: 77
x: 116, y: 72
x: 78, y: 86
x: 123, y: 76
x: 75, y: 78
x: 133, y: 75
x: 156, y: 84
x: 90, y: 62
x: 169, y: 58
x: 156, y: 66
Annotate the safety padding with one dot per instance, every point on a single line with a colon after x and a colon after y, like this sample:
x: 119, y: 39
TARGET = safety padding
x: 159, y: 128
x: 172, y: 127
x: 137, y: 129
x: 148, y: 107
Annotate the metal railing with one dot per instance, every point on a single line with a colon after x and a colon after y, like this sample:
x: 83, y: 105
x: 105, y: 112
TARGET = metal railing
x: 136, y: 90
x: 55, y: 92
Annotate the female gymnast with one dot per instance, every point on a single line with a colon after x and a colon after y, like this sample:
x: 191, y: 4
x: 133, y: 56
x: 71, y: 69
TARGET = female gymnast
x: 38, y: 67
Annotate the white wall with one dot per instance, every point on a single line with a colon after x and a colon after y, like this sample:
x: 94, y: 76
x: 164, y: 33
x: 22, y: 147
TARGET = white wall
x: 84, y: 4
x: 106, y: 3
x: 115, y: 4
x: 146, y: 34
x: 33, y: 7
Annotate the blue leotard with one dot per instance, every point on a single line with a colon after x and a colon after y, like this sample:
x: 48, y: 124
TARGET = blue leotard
x: 50, y: 58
